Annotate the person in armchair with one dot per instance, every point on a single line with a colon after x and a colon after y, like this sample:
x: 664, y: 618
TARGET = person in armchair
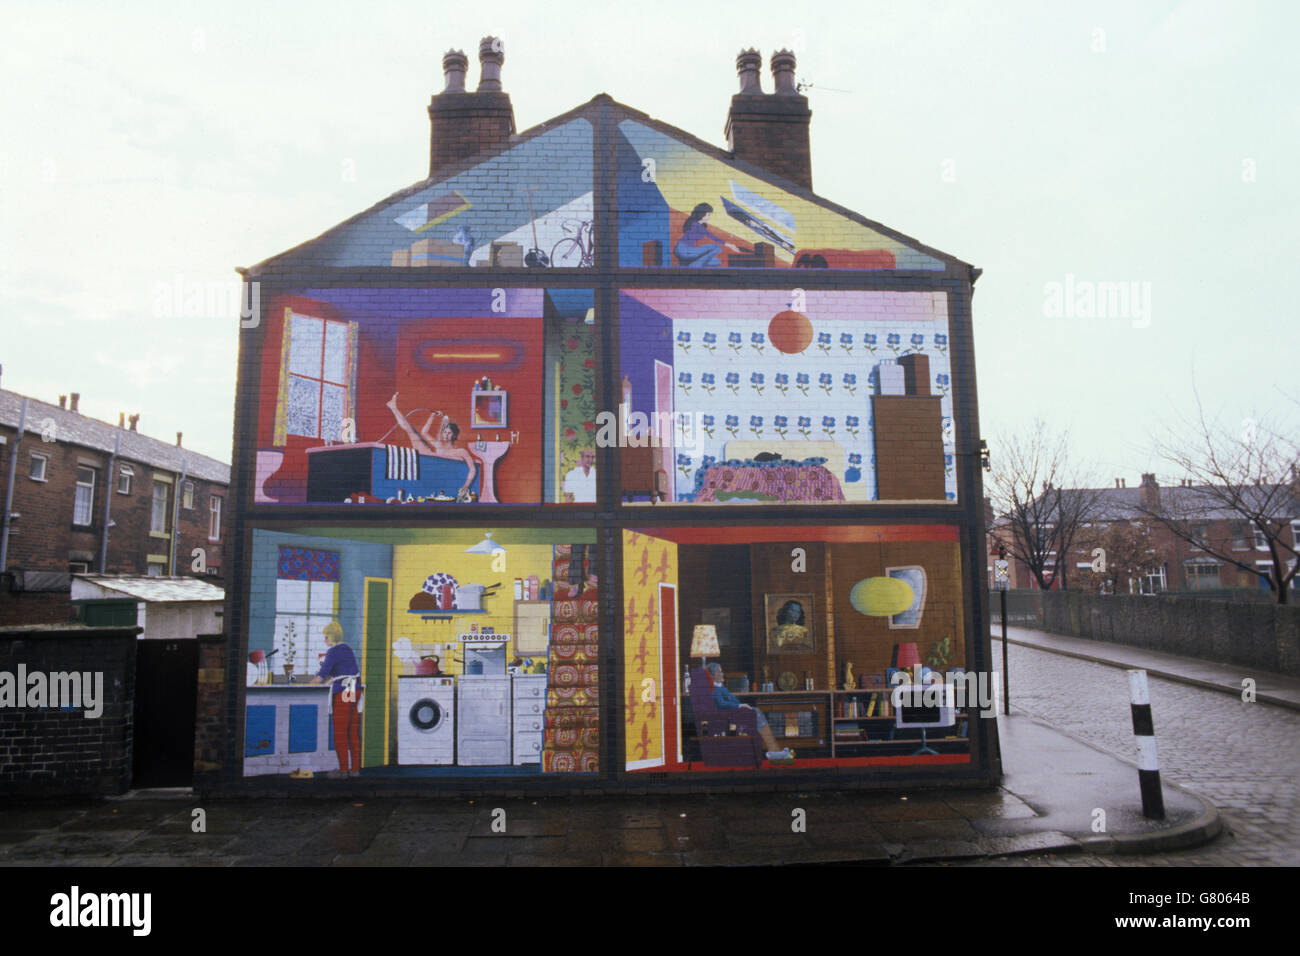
x: 724, y: 699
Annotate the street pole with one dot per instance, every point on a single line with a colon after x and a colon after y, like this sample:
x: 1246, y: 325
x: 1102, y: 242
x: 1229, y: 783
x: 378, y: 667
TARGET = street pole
x: 1153, y: 799
x: 1006, y: 676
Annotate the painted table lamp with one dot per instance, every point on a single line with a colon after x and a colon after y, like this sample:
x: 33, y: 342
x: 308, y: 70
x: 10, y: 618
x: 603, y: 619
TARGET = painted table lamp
x: 704, y: 642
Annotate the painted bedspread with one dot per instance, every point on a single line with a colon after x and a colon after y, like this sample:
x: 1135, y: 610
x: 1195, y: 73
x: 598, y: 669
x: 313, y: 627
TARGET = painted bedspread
x: 737, y: 480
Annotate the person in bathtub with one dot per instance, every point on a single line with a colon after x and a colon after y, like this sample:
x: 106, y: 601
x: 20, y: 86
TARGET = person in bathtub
x: 438, y: 445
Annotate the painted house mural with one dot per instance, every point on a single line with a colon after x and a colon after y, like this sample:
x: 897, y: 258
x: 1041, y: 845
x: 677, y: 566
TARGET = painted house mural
x: 845, y: 399
x: 427, y: 397
x: 529, y: 207
x: 444, y: 652
x: 430, y: 581
x: 775, y: 646
x: 680, y: 208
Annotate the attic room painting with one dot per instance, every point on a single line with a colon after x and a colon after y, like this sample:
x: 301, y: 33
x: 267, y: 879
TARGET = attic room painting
x: 528, y: 207
x: 680, y: 208
x: 837, y: 398
x: 427, y: 397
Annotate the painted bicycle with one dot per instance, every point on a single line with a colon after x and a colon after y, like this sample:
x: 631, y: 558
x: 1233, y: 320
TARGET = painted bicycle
x: 577, y: 249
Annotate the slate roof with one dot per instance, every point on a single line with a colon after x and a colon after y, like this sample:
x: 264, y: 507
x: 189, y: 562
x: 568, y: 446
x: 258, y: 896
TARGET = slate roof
x: 1193, y: 502
x: 78, y: 429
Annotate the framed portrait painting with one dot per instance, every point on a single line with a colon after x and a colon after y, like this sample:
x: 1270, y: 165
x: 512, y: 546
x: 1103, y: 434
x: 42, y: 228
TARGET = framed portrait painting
x: 789, y: 623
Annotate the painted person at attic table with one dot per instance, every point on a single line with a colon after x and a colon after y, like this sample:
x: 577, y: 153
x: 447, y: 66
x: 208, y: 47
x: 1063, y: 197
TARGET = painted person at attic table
x: 698, y: 247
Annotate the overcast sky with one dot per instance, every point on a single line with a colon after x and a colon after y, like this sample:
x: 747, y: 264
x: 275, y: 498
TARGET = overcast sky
x: 149, y: 149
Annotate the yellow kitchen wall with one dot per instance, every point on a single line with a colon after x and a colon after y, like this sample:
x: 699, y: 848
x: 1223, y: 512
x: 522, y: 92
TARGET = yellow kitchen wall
x: 647, y: 562
x: 413, y: 563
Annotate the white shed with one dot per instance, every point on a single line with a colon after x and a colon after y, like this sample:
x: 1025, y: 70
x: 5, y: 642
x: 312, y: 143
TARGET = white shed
x: 167, y: 608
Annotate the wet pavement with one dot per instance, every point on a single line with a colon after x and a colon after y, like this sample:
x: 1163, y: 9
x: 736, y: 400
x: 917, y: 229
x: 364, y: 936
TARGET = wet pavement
x: 1053, y: 785
x: 1064, y: 796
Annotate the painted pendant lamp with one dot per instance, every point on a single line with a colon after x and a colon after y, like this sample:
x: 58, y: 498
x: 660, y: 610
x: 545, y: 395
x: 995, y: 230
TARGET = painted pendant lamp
x: 881, y: 596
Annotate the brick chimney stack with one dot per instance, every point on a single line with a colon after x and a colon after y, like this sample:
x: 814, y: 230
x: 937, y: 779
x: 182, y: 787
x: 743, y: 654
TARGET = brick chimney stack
x: 463, y: 124
x: 770, y: 130
x: 134, y: 420
x: 1149, y: 493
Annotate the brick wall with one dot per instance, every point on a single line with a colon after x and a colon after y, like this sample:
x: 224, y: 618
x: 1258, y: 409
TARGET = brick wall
x: 51, y: 751
x: 210, y: 717
x: 45, y: 537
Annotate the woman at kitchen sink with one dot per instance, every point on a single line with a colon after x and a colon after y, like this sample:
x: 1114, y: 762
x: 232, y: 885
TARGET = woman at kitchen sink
x: 339, y: 667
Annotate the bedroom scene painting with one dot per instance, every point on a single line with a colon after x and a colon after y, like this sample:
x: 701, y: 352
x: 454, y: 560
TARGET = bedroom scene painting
x: 781, y: 397
x: 427, y: 397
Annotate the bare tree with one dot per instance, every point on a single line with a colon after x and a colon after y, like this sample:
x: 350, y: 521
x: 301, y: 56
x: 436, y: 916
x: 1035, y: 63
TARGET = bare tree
x: 1126, y: 556
x: 1245, y: 476
x: 1038, y: 493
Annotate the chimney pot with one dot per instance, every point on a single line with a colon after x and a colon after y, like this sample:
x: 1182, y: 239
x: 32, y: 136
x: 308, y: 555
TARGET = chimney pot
x: 749, y: 65
x: 782, y: 64
x: 75, y: 401
x: 454, y: 66
x: 491, y: 55
x: 1116, y: 482
x: 464, y: 124
x: 770, y: 131
x: 178, y: 439
x: 63, y: 401
x: 121, y: 419
x: 135, y: 420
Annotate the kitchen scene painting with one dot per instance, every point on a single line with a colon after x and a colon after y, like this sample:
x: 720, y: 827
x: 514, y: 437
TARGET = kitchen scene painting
x: 390, y: 652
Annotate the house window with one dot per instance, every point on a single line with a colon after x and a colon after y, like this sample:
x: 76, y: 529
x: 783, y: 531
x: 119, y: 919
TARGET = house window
x: 1199, y: 532
x: 156, y: 567
x: 160, y: 514
x: 187, y: 494
x: 1241, y: 536
x: 84, y: 503
x: 36, y: 469
x: 318, y: 369
x: 1261, y: 541
x: 1153, y: 582
x: 1265, y: 571
x: 1295, y: 535
x: 214, y: 518
x: 1202, y: 575
x: 124, y: 475
x: 78, y: 567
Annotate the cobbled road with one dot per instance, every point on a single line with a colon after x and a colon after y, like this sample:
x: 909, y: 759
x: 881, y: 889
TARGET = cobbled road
x: 1243, y: 757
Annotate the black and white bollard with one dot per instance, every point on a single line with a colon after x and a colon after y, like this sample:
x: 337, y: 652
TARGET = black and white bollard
x: 1153, y: 800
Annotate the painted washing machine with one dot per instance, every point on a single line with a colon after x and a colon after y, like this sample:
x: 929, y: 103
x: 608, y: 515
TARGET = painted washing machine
x: 426, y: 720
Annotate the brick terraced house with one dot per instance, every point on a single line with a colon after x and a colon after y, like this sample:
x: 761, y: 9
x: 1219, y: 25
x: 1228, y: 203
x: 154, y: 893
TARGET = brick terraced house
x: 555, y: 458
x: 87, y: 496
